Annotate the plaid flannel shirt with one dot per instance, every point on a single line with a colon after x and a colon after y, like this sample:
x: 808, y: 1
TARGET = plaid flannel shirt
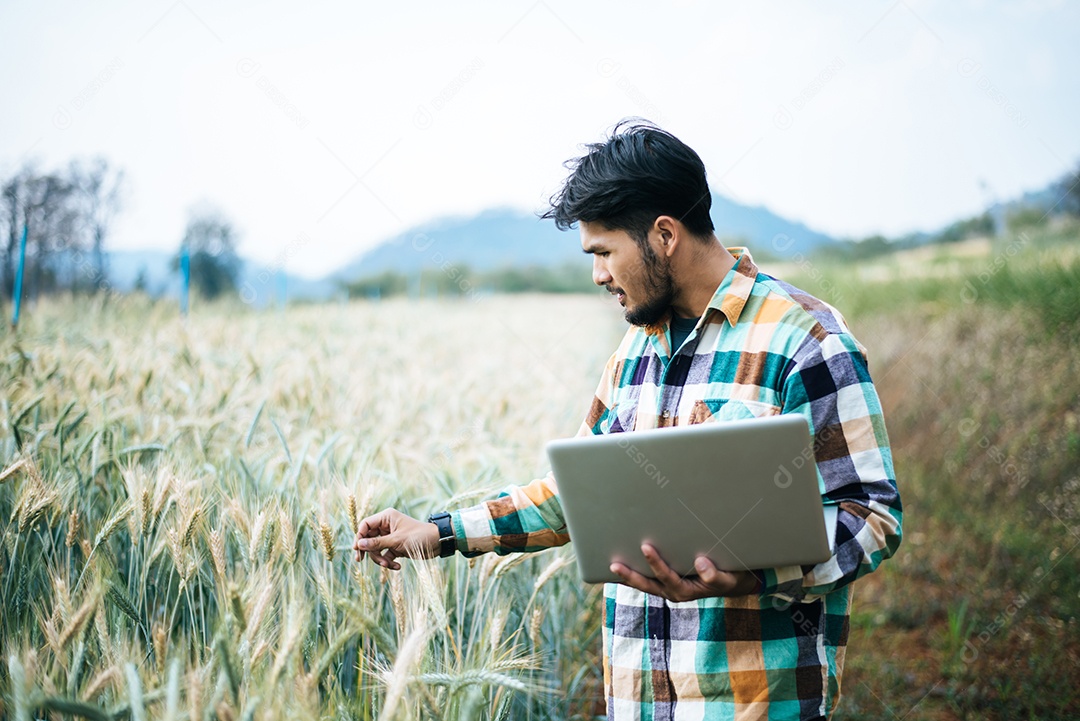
x: 763, y: 347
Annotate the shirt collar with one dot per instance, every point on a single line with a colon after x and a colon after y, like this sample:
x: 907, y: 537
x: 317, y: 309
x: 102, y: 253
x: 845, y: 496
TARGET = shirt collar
x: 734, y: 290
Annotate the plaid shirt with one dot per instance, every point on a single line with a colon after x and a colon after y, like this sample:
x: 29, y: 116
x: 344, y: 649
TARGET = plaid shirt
x: 763, y: 347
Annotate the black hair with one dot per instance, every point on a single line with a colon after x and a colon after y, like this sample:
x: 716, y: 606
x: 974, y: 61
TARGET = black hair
x: 626, y: 182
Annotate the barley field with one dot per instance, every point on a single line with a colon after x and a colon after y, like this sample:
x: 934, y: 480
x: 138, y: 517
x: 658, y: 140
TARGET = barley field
x: 178, y: 499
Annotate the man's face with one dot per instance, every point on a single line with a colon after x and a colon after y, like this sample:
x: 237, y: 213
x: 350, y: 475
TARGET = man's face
x: 638, y: 276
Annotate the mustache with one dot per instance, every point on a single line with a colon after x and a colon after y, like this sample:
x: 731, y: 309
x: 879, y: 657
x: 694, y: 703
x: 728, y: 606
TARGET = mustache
x: 612, y: 289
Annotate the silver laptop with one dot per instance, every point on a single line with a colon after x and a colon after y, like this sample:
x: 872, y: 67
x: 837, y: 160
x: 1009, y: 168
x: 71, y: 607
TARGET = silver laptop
x: 744, y: 493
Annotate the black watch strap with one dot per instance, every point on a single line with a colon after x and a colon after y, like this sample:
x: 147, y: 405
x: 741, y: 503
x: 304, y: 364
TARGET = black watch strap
x: 447, y: 539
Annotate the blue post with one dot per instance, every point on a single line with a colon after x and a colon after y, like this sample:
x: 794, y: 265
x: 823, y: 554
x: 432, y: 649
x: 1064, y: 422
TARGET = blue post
x: 185, y: 278
x: 19, y: 278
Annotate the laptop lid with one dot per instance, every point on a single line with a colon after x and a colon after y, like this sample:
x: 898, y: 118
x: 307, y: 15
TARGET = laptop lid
x: 744, y: 493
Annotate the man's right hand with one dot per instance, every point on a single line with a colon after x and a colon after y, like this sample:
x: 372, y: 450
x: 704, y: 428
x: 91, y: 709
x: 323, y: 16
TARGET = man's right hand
x: 390, y: 534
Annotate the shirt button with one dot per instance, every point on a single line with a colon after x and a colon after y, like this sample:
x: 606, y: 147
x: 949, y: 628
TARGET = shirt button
x: 665, y: 415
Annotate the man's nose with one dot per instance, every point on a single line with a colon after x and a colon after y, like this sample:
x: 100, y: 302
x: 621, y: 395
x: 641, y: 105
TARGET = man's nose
x: 600, y: 274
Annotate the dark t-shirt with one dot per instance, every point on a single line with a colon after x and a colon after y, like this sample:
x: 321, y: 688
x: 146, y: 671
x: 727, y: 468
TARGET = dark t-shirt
x: 680, y: 329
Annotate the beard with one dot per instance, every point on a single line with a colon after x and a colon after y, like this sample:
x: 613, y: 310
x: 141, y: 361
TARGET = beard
x: 658, y: 288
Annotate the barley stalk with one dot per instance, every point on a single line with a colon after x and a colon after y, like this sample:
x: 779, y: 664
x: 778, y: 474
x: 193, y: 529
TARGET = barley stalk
x: 397, y: 600
x: 13, y: 468
x: 135, y: 695
x: 172, y: 692
x: 101, y: 628
x: 78, y: 620
x: 147, y: 511
x: 262, y: 601
x: 72, y: 529
x: 120, y: 599
x: 20, y: 695
x: 257, y: 532
x: 472, y: 677
x: 189, y: 527
x: 549, y: 571
x: 535, y: 624
x: 161, y: 642
x: 217, y: 552
x: 269, y: 540
x: 62, y: 601
x: 495, y: 630
x: 162, y: 493
x: 350, y: 509
x: 408, y: 656
x: 326, y: 539
x: 97, y: 685
x: 111, y: 525
x: 288, y: 537
x: 292, y: 635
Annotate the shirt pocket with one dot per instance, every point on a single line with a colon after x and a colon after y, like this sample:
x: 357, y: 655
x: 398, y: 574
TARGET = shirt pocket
x: 711, y: 410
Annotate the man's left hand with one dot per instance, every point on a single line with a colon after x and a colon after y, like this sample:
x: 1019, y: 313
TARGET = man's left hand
x: 710, y: 581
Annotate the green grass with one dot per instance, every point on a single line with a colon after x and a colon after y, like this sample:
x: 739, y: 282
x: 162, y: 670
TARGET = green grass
x: 978, y: 616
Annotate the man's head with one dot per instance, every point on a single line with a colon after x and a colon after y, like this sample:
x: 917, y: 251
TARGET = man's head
x: 635, y: 197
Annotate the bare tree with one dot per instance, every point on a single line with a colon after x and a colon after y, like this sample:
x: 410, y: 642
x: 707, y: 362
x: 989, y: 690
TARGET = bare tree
x: 98, y: 193
x: 53, y: 231
x: 67, y: 216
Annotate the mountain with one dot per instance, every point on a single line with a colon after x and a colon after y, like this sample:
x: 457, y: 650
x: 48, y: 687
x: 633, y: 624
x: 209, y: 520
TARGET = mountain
x: 760, y: 228
x: 509, y: 238
x: 493, y: 239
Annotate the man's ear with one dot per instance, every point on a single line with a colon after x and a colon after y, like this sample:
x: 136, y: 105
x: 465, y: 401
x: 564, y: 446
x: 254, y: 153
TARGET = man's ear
x: 669, y: 232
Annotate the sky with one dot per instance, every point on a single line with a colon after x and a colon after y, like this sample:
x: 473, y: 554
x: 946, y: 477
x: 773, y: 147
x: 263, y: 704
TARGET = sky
x: 321, y: 129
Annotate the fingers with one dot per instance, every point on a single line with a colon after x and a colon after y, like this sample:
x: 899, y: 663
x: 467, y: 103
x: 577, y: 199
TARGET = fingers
x: 380, y: 524
x: 723, y: 583
x: 386, y: 559
x: 633, y: 579
x: 381, y: 550
x: 663, y: 572
x: 708, y: 580
x: 377, y: 525
x: 391, y: 534
x: 707, y: 570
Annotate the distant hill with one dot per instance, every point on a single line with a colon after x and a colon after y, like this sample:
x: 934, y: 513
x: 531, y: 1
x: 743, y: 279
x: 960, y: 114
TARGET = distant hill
x: 761, y: 228
x: 493, y: 239
x: 511, y: 238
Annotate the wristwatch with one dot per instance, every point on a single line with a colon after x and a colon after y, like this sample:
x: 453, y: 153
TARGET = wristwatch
x: 447, y: 539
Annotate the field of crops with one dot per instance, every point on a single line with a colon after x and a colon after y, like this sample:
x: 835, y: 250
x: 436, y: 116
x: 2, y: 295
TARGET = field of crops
x: 178, y: 499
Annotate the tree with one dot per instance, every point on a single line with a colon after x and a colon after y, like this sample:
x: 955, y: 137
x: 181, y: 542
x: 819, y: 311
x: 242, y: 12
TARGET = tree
x: 211, y: 245
x: 98, y: 189
x: 43, y: 205
x: 67, y: 215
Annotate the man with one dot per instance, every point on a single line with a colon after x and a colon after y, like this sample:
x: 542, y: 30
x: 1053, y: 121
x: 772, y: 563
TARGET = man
x: 711, y: 337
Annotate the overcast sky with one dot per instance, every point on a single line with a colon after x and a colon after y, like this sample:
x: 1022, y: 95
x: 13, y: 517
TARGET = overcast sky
x: 322, y: 128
